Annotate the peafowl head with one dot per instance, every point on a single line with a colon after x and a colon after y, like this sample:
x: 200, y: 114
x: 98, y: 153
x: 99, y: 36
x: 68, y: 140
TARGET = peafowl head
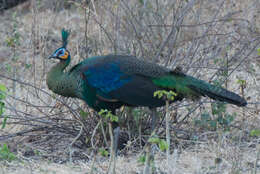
x: 62, y: 53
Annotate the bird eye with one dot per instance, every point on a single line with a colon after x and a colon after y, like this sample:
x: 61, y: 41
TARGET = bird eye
x: 61, y: 52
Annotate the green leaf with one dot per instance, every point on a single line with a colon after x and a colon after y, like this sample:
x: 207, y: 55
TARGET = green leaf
x: 258, y: 51
x: 114, y: 118
x: 102, y: 112
x: 103, y: 152
x: 214, y: 111
x: 241, y: 82
x: 83, y: 114
x: 2, y: 104
x: 216, y: 60
x: 163, y: 145
x: 158, y: 93
x: 5, y: 153
x: 168, y: 94
x: 4, y: 122
x: 228, y: 48
x: 4, y: 148
x: 108, y: 115
x: 3, y: 88
x: 255, y: 132
x: 2, y: 96
x: 141, y: 159
x: 27, y: 66
x: 154, y: 140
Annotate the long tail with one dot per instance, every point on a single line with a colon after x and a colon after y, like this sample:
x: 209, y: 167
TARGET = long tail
x: 188, y: 86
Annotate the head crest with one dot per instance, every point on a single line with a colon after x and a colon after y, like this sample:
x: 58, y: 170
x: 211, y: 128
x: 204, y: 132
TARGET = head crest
x: 65, y: 34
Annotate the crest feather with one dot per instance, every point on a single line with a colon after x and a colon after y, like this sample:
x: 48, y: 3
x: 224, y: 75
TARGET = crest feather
x: 65, y: 35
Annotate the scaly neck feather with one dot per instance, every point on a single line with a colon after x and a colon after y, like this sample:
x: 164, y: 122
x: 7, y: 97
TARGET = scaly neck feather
x: 59, y: 81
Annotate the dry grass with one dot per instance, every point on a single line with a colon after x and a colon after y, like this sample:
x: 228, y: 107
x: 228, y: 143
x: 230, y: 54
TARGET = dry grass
x: 207, y: 34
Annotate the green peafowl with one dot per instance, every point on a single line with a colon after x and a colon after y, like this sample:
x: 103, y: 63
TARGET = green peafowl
x: 111, y: 81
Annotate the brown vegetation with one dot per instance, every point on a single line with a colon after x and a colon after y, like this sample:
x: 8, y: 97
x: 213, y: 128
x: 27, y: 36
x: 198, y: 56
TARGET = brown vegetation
x: 215, y: 41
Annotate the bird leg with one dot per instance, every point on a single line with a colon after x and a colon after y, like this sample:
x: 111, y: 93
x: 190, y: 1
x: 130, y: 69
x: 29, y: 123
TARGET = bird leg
x: 116, y: 132
x: 154, y: 118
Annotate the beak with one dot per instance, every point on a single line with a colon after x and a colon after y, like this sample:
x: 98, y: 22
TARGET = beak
x: 52, y: 56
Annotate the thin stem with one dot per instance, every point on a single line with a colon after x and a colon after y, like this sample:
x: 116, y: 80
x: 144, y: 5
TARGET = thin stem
x: 147, y: 167
x: 112, y: 151
x: 168, y: 137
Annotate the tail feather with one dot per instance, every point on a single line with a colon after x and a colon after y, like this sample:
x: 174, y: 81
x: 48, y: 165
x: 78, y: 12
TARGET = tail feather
x: 188, y: 86
x: 220, y: 94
